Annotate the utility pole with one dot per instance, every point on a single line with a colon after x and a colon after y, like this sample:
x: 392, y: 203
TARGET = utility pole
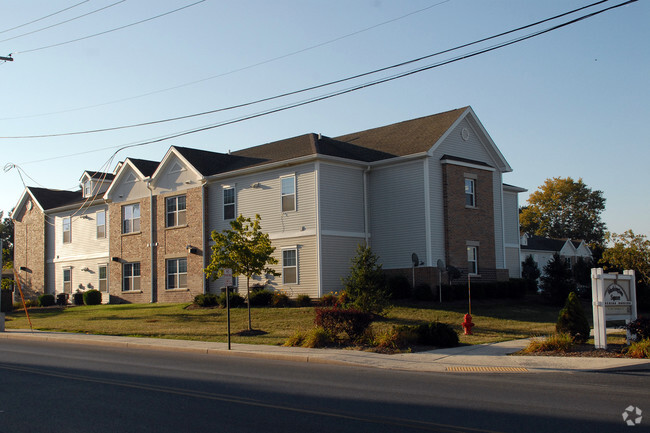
x: 7, y: 59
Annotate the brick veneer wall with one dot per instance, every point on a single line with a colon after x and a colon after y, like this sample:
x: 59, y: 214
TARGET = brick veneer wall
x: 463, y: 224
x: 29, y: 251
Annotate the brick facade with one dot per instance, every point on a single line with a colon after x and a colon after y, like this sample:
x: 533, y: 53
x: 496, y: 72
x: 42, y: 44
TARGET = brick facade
x: 29, y: 251
x: 467, y: 225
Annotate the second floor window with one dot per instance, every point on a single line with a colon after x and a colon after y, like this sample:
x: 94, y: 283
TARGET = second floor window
x: 67, y: 230
x: 229, y: 203
x: 176, y: 209
x: 470, y: 194
x: 101, y: 224
x: 288, y: 193
x: 131, y: 218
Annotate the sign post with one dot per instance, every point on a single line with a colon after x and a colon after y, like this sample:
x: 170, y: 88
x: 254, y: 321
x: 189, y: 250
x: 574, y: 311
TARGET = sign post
x: 614, y: 298
x: 2, y: 314
x: 227, y: 273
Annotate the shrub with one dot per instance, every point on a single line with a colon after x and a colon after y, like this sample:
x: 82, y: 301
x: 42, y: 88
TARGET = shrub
x: 422, y: 292
x: 235, y: 300
x: 351, y: 321
x: 530, y: 273
x: 572, y: 319
x: 7, y: 300
x: 303, y: 301
x: 329, y: 300
x: 62, y: 299
x: 639, y: 349
x: 206, y: 300
x: 318, y: 337
x: 396, y: 339
x: 639, y: 327
x: 295, y: 340
x: 92, y: 297
x: 436, y: 334
x: 280, y: 300
x: 78, y: 298
x: 558, y: 342
x: 399, y: 287
x: 46, y: 300
x: 260, y: 298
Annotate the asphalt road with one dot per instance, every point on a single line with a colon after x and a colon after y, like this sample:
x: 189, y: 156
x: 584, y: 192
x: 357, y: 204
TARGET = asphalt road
x: 48, y: 387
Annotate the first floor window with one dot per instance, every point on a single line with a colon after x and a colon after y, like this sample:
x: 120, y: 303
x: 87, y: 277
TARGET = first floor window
x: 130, y: 276
x: 176, y: 273
x: 176, y: 209
x: 103, y: 278
x: 472, y: 260
x: 67, y: 280
x: 131, y: 218
x: 67, y: 230
x: 470, y: 194
x: 229, y: 203
x: 290, y: 266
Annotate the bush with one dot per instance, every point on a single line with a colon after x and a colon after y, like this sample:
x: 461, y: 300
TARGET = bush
x: 78, y: 298
x: 639, y: 327
x: 7, y: 300
x: 572, y: 319
x: 559, y: 342
x: 399, y: 287
x: 436, y: 334
x: 329, y: 300
x: 351, y: 321
x: 639, y: 349
x: 422, y: 292
x: 318, y: 337
x: 92, y: 297
x: 46, y: 300
x: 303, y: 301
x: 260, y: 298
x: 396, y: 339
x: 280, y: 300
x: 62, y: 299
x: 206, y: 300
x: 235, y: 300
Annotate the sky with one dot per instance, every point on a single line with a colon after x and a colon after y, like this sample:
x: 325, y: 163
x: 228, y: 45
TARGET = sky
x: 573, y: 102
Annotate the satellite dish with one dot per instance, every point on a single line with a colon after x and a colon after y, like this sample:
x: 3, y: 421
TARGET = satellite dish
x: 441, y: 265
x: 415, y: 259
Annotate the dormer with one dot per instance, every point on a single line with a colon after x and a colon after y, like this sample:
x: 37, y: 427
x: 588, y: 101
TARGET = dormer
x: 95, y: 183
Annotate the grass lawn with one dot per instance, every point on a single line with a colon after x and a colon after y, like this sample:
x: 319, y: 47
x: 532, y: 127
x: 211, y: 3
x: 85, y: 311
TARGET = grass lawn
x: 496, y: 320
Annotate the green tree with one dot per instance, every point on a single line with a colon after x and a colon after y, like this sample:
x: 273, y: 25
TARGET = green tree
x: 7, y: 236
x: 557, y: 281
x: 629, y: 251
x: 530, y: 272
x: 572, y: 319
x: 366, y: 283
x: 245, y: 249
x: 564, y: 208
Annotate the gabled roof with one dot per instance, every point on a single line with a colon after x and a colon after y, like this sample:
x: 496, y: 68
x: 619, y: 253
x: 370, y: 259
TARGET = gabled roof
x: 98, y: 175
x: 209, y: 163
x: 54, y: 198
x: 543, y: 244
x: 144, y: 166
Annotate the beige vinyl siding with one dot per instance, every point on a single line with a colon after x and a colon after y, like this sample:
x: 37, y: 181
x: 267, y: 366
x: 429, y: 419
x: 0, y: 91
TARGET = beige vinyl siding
x: 497, y: 189
x: 81, y: 280
x: 341, y: 198
x: 50, y: 275
x: 397, y: 220
x: 127, y: 191
x: 512, y: 262
x: 511, y: 217
x: 337, y: 255
x: 175, y: 176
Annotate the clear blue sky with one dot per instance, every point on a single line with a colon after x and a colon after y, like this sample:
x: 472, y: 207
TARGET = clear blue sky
x: 573, y: 102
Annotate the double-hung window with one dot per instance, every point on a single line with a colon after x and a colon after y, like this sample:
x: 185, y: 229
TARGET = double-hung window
x: 103, y: 278
x: 176, y: 210
x: 131, y: 218
x: 290, y: 266
x: 176, y: 274
x: 130, y: 276
x: 288, y: 193
x: 472, y: 260
x: 101, y: 224
x: 470, y: 192
x: 67, y: 230
x: 67, y: 280
x: 229, y: 203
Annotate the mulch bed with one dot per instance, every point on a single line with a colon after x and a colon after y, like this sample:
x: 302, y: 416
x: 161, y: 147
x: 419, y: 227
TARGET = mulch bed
x: 585, y: 350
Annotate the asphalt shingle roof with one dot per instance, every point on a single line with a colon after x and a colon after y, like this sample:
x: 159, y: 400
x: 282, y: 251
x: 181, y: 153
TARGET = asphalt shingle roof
x: 146, y: 167
x: 53, y: 198
x: 543, y: 244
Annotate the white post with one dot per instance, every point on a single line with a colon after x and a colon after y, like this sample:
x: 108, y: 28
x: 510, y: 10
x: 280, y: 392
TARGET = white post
x: 597, y: 291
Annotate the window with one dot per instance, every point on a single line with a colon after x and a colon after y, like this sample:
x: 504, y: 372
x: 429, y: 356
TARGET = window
x: 288, y: 193
x: 472, y: 260
x: 103, y: 278
x: 101, y: 224
x: 176, y: 273
x: 131, y: 218
x: 130, y: 277
x: 176, y: 209
x: 290, y: 266
x: 228, y: 203
x: 470, y: 197
x: 67, y: 280
x: 67, y: 230
x: 88, y: 188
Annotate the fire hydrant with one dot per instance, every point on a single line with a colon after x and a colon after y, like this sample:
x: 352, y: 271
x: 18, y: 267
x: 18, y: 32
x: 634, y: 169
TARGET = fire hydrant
x: 467, y: 324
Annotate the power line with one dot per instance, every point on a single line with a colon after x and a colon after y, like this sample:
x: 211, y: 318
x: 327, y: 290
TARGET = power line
x: 42, y: 18
x: 111, y: 30
x: 63, y: 22
x: 243, y: 68
x: 319, y: 86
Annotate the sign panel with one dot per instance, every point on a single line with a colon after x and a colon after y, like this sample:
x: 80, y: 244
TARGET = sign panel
x: 227, y: 274
x: 614, y: 298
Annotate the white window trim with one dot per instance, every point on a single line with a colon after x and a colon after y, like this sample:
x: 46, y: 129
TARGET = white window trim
x: 295, y: 193
x: 63, y: 221
x: 176, y: 273
x: 475, y: 247
x: 176, y: 212
x: 67, y: 268
x: 122, y: 216
x: 102, y: 265
x: 296, y: 266
x: 473, y: 193
x: 223, y: 202
x: 131, y: 277
x: 97, y: 224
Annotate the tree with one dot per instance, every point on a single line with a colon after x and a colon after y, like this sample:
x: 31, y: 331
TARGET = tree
x: 530, y: 272
x: 557, y: 281
x: 245, y: 249
x: 572, y: 319
x: 629, y: 251
x: 366, y: 284
x: 564, y: 208
x: 7, y: 236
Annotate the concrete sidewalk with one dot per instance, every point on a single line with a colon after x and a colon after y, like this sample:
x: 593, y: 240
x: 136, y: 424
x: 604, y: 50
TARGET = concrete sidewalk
x: 465, y: 359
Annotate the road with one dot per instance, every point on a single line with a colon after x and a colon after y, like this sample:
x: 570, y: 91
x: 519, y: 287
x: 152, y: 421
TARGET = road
x: 48, y: 387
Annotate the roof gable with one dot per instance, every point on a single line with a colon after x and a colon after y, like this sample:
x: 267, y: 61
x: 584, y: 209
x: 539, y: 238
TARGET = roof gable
x: 131, y: 170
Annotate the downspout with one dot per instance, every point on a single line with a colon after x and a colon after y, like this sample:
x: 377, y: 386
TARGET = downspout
x: 152, y: 243
x: 204, y: 240
x: 366, y: 223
